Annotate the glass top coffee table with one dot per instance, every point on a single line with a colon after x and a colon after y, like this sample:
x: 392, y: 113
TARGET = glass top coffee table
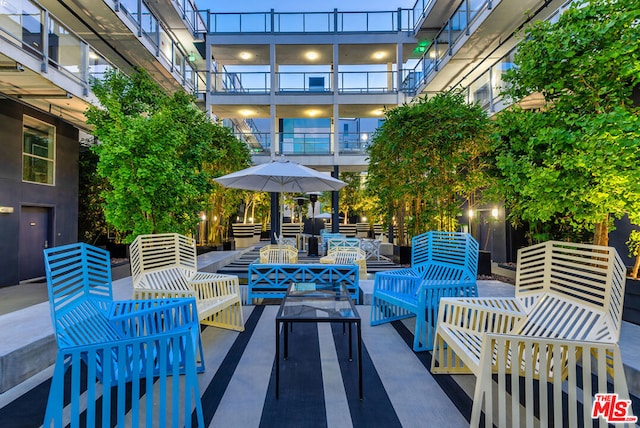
x: 315, y: 302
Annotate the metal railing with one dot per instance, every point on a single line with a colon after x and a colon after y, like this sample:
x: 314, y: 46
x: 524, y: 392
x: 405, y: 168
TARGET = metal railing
x: 308, y: 22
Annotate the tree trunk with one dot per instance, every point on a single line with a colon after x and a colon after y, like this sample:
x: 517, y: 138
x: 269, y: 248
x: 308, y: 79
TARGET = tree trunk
x: 601, y: 233
x: 634, y: 272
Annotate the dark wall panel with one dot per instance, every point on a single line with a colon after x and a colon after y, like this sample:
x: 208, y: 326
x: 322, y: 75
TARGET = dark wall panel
x: 61, y: 198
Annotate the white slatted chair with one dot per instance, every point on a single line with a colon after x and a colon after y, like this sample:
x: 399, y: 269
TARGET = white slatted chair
x: 571, y: 293
x: 165, y: 266
x: 563, y: 290
x: 506, y: 393
x: 345, y: 256
x: 278, y: 254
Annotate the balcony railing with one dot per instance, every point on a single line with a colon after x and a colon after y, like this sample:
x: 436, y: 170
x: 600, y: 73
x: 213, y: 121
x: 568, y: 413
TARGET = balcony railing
x: 259, y: 82
x: 441, y: 46
x: 308, y: 22
x: 306, y: 143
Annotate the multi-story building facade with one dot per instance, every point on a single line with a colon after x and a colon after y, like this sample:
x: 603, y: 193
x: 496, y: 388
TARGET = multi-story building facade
x: 311, y: 86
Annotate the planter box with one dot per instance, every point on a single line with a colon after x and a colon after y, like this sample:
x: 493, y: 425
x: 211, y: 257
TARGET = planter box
x: 484, y: 263
x: 402, y: 254
x: 631, y: 310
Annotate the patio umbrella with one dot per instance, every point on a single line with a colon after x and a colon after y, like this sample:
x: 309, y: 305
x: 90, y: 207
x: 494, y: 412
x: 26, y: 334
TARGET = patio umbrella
x: 281, y: 175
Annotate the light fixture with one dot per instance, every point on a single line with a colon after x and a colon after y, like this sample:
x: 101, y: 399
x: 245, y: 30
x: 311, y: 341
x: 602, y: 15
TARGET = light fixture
x: 13, y: 68
x: 312, y: 112
x: 470, y: 214
x: 364, y: 136
x: 379, y: 54
x: 494, y: 213
x: 245, y: 55
x: 246, y: 112
x: 191, y: 57
x: 312, y: 55
x: 377, y: 112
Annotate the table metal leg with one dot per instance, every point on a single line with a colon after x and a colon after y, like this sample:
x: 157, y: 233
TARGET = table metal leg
x: 277, y: 358
x: 350, y: 344
x: 359, y: 334
x: 286, y: 340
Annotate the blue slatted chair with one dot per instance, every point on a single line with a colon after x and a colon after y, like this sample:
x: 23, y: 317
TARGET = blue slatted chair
x: 444, y: 264
x: 142, y: 352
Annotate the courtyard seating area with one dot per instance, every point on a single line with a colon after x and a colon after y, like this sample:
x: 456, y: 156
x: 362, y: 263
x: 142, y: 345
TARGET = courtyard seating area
x: 399, y: 387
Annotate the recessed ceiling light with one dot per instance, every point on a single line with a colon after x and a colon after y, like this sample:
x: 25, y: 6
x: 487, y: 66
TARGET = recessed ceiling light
x: 377, y: 112
x: 312, y: 55
x: 245, y: 55
x: 246, y: 112
x: 379, y: 54
x: 313, y: 112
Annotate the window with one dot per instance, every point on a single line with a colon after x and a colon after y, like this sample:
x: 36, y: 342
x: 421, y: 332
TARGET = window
x: 38, y: 151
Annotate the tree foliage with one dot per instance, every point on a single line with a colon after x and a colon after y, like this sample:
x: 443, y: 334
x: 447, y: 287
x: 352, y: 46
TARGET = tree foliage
x: 158, y: 153
x: 575, y: 161
x: 427, y: 159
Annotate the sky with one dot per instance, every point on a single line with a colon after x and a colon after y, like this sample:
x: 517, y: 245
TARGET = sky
x: 302, y: 5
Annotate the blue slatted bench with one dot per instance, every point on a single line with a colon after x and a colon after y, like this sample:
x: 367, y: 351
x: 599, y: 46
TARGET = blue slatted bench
x: 272, y: 280
x: 132, y: 345
x: 444, y: 264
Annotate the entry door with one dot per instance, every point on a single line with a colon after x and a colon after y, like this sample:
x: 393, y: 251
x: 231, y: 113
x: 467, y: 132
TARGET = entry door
x: 34, y: 236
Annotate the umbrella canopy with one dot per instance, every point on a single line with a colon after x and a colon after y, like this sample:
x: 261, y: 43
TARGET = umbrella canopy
x: 281, y: 175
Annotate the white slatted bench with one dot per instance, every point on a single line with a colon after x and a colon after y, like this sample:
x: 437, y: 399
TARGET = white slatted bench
x: 165, y: 266
x: 565, y: 292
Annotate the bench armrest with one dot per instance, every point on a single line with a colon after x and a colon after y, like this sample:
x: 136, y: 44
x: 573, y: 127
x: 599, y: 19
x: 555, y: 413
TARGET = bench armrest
x: 211, y: 285
x: 490, y: 315
x: 403, y: 281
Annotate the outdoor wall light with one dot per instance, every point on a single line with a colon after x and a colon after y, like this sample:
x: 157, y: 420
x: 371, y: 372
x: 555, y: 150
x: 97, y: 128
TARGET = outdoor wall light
x: 203, y: 217
x: 470, y: 214
x: 364, y: 136
x: 494, y: 213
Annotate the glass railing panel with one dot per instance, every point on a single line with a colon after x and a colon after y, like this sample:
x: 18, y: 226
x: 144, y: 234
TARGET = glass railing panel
x: 258, y: 142
x: 65, y: 49
x: 305, y: 143
x: 354, y: 143
x: 166, y: 46
x: 382, y: 21
x: 366, y: 81
x: 289, y: 22
x: 304, y: 82
x: 149, y: 25
x: 352, y: 21
x: 255, y: 22
x: 441, y: 45
x: 497, y: 72
x: 246, y: 82
x: 476, y: 7
x: 226, y: 23
x: 480, y: 91
x: 130, y: 7
x: 178, y: 61
x: 22, y: 20
x: 98, y: 66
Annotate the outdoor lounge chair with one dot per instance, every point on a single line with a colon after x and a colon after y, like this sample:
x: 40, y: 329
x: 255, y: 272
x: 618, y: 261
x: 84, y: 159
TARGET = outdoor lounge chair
x: 136, y: 349
x: 165, y: 266
x: 444, y: 264
x: 568, y: 304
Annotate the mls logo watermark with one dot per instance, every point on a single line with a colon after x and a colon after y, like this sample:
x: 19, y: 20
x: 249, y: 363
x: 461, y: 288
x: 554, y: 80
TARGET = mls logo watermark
x: 612, y: 409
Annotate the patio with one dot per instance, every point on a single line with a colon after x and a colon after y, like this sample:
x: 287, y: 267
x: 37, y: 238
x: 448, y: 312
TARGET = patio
x: 318, y: 386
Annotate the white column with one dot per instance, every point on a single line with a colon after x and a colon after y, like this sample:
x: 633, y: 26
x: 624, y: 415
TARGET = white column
x: 273, y: 68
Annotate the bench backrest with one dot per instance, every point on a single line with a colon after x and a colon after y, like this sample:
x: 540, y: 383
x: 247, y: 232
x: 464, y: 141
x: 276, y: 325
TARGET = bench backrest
x: 162, y: 251
x: 581, y: 281
x: 278, y: 254
x: 79, y: 288
x: 345, y: 255
x: 435, y: 249
x: 272, y: 280
x: 334, y: 243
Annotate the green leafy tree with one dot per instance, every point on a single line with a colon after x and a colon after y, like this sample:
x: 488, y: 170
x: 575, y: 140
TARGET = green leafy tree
x: 427, y: 159
x: 351, y: 195
x: 154, y: 152
x: 92, y: 226
x: 575, y: 161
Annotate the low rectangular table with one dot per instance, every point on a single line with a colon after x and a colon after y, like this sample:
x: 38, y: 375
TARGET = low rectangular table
x: 312, y: 302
